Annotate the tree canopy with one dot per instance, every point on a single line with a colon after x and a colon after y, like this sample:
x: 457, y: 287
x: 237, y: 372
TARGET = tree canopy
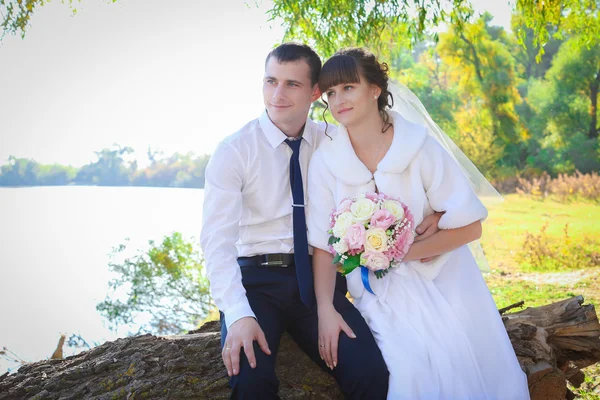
x: 382, y: 24
x: 386, y: 25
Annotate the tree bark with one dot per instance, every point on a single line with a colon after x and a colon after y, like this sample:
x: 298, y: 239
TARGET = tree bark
x: 553, y: 344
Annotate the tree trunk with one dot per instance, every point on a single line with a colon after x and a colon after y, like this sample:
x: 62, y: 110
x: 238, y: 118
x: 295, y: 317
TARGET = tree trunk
x: 594, y: 86
x: 553, y: 343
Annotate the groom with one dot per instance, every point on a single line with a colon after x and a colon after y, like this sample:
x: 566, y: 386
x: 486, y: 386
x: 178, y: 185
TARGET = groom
x: 255, y: 247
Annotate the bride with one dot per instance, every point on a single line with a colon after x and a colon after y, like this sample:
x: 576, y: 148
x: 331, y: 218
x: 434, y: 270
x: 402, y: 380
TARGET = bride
x: 436, y: 323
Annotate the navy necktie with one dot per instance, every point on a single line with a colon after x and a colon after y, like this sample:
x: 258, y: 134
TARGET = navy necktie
x: 301, y: 259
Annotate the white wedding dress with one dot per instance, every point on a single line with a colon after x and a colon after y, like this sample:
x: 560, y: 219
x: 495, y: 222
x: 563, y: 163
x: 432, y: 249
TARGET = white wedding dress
x: 436, y: 323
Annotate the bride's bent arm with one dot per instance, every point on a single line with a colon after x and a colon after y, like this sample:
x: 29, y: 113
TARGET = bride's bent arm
x: 444, y: 241
x: 449, y: 191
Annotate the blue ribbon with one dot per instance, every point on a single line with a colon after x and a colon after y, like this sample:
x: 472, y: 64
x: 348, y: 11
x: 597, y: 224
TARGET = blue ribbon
x: 364, y: 273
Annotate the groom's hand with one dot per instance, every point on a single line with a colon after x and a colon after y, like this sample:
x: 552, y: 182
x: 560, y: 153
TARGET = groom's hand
x: 427, y: 228
x: 243, y: 333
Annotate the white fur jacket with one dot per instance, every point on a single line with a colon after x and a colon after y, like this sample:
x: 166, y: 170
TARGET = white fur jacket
x: 416, y: 169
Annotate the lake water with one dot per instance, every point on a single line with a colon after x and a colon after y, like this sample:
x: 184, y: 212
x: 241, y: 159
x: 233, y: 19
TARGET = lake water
x: 54, y: 251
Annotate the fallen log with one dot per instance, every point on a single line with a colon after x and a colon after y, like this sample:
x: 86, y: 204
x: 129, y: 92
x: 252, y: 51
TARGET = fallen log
x: 553, y: 344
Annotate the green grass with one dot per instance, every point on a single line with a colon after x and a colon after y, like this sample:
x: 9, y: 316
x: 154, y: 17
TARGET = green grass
x: 510, y: 291
x: 505, y: 228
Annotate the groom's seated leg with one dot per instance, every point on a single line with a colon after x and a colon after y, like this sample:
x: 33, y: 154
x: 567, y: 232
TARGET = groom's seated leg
x: 361, y: 371
x: 260, y: 382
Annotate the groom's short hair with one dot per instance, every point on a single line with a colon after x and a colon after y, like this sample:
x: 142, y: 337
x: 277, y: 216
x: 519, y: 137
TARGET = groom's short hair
x: 291, y: 51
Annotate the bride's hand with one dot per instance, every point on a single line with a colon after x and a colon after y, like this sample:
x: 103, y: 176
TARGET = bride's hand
x: 428, y: 227
x: 331, y: 324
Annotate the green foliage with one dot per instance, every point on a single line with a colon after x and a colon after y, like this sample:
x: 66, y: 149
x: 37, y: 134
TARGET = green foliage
x: 539, y: 252
x: 21, y: 171
x: 561, y: 112
x: 382, y: 25
x: 487, y: 70
x: 385, y: 25
x: 530, y: 64
x: 350, y: 263
x: 114, y: 167
x: 16, y: 14
x: 477, y: 140
x: 167, y: 283
x: 110, y: 169
x: 580, y: 17
x: 430, y: 79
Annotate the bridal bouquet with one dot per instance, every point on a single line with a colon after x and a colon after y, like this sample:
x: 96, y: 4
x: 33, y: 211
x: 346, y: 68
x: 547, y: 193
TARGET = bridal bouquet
x: 373, y: 231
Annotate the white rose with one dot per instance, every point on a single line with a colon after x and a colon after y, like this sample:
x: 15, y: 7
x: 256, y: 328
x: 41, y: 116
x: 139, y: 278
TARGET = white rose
x: 362, y: 209
x: 376, y: 240
x: 342, y: 223
x: 340, y: 247
x: 395, y: 208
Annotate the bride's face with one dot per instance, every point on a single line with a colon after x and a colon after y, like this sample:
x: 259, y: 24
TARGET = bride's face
x: 351, y: 102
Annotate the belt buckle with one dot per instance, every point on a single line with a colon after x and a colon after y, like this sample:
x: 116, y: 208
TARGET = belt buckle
x: 273, y: 260
x: 273, y: 263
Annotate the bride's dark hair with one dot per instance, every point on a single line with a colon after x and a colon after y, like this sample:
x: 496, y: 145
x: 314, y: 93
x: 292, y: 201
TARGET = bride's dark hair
x: 347, y: 66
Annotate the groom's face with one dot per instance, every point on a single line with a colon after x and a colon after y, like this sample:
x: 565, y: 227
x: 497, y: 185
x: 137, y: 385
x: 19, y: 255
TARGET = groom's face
x: 288, y: 91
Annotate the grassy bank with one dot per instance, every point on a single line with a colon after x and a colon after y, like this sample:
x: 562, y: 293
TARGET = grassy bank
x: 545, y: 251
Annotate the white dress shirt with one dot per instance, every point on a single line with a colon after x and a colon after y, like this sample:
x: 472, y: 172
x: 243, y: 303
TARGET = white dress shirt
x: 248, y: 205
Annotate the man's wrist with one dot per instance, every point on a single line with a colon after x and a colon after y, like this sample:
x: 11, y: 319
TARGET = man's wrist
x: 240, y: 311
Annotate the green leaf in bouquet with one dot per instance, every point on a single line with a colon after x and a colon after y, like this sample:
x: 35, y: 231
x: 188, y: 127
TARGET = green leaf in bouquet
x: 350, y: 264
x: 332, y: 240
x: 337, y: 258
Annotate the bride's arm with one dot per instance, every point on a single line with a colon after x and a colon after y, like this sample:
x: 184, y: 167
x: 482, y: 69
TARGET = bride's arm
x: 444, y: 241
x: 324, y: 273
x: 331, y: 322
x: 320, y: 203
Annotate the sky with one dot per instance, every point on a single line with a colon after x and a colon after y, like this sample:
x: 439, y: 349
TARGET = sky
x: 175, y: 76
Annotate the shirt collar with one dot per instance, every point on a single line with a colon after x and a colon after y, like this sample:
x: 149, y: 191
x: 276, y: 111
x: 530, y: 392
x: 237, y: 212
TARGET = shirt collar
x: 276, y: 137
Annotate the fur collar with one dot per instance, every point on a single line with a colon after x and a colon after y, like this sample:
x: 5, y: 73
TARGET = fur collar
x: 343, y: 163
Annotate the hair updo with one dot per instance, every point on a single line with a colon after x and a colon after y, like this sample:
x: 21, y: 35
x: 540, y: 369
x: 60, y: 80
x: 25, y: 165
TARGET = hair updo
x: 347, y: 65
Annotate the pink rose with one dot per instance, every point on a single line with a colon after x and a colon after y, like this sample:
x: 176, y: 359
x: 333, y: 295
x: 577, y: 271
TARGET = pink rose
x: 344, y: 206
x: 372, y: 196
x: 404, y: 241
x: 355, y: 236
x: 376, y: 261
x: 382, y: 219
x: 375, y: 197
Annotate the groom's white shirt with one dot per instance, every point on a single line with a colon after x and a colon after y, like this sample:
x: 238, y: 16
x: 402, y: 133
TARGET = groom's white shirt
x: 248, y: 205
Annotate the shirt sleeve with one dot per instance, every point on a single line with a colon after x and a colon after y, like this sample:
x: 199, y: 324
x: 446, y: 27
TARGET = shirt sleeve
x: 320, y: 203
x: 448, y: 189
x: 221, y: 216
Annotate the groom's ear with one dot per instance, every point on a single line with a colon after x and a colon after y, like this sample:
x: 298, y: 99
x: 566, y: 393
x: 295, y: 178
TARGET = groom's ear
x: 316, y: 93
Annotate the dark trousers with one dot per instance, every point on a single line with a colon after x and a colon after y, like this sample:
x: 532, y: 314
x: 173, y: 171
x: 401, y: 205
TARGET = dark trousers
x: 274, y: 297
